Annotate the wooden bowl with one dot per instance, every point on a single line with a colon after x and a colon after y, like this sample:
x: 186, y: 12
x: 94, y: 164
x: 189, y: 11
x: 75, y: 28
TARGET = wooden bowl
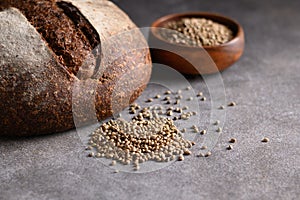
x: 196, y: 60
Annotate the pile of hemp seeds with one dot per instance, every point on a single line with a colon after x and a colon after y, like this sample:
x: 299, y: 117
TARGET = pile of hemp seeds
x: 196, y: 32
x: 150, y: 134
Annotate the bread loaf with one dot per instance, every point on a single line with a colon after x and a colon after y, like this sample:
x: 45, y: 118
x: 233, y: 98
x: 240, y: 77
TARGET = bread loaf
x: 66, y: 60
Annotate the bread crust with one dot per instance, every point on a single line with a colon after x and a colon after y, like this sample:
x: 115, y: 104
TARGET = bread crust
x: 40, y: 96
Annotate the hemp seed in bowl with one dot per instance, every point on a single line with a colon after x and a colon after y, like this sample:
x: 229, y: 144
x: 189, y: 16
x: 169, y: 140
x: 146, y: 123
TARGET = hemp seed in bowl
x: 196, y: 32
x: 193, y: 37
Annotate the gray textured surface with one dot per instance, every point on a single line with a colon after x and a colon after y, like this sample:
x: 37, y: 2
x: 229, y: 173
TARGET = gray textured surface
x: 265, y: 83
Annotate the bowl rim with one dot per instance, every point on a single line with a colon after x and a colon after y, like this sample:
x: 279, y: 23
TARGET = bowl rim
x: 158, y: 21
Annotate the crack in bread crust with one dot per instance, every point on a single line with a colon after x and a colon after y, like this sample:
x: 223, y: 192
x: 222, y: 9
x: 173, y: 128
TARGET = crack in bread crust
x: 72, y: 41
x: 37, y: 92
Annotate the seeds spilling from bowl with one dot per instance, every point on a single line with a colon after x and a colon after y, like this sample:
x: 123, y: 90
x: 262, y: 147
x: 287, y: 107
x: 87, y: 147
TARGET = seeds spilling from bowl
x: 196, y: 32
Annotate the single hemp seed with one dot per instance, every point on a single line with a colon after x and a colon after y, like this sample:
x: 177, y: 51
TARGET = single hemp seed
x: 190, y: 99
x: 166, y: 98
x: 232, y: 140
x: 113, y: 163
x: 207, y: 154
x: 168, y: 92
x: 185, y: 108
x: 201, y: 155
x: 187, y: 152
x: 180, y: 157
x: 88, y: 148
x: 200, y: 94
x: 265, y: 139
x: 203, y: 132
x: 149, y: 100
x: 230, y: 147
x: 232, y: 103
x: 217, y: 122
x: 91, y: 154
x: 170, y: 113
x: 196, y: 130
x: 204, y: 147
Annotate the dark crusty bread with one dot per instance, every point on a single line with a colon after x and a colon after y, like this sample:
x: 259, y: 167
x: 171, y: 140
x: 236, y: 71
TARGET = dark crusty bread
x: 62, y: 61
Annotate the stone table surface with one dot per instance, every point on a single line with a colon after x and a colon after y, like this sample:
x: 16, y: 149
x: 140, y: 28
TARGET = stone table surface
x: 265, y: 84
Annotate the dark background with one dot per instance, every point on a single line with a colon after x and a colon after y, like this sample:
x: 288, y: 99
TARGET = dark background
x: 264, y: 83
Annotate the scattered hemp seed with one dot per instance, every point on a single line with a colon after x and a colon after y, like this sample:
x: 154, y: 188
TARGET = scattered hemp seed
x: 203, y: 99
x: 170, y: 108
x: 201, y: 155
x: 91, y: 154
x: 207, y: 154
x: 184, y: 117
x: 136, y: 168
x: 222, y: 107
x: 232, y: 104
x: 179, y: 97
x: 179, y: 92
x: 170, y: 113
x: 188, y: 88
x: 180, y: 157
x: 167, y: 98
x: 194, y: 126
x: 190, y: 99
x: 133, y: 105
x: 204, y: 147
x: 217, y: 122
x: 232, y: 140
x: 219, y: 129
x: 177, y: 102
x: 187, y: 152
x: 168, y: 102
x: 157, y: 96
x: 116, y: 171
x: 113, y: 163
x: 132, y: 112
x: 149, y: 100
x: 196, y: 130
x: 230, y: 147
x: 183, y: 130
x: 88, y: 148
x: 200, y: 94
x: 172, y: 157
x: 203, y: 132
x: 138, y: 140
x: 98, y: 155
x: 185, y: 108
x: 265, y: 139
x: 168, y: 92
